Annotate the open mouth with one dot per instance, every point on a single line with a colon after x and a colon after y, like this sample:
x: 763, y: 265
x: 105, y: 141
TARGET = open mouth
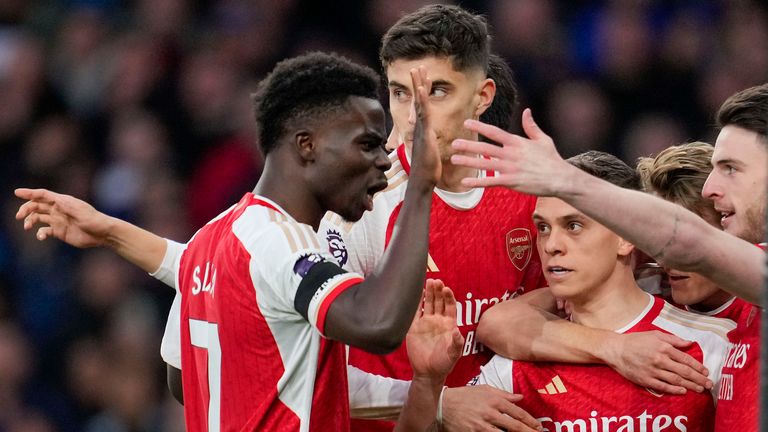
x: 558, y: 271
x: 725, y: 217
x: 373, y: 190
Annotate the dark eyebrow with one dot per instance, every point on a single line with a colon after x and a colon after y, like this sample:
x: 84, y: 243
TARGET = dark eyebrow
x: 442, y: 83
x: 393, y: 83
x: 569, y: 217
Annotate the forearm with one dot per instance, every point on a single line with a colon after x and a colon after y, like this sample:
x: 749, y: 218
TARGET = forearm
x: 420, y: 411
x: 375, y: 314
x: 669, y: 233
x: 543, y: 336
x: 136, y: 245
x: 539, y: 334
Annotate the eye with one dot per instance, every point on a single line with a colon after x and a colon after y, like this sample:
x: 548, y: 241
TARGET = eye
x: 729, y: 169
x: 400, y: 94
x: 439, y: 92
x: 574, y: 226
x: 543, y: 228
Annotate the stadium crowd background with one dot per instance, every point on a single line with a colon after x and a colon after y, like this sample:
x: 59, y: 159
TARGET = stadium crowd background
x: 142, y: 107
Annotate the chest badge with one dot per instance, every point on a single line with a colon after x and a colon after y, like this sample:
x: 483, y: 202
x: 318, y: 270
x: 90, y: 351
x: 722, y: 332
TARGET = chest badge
x: 519, y: 247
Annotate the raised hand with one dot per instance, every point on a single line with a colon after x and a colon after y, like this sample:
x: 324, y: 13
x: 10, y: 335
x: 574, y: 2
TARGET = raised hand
x: 426, y: 153
x: 434, y: 341
x: 530, y: 165
x: 64, y: 217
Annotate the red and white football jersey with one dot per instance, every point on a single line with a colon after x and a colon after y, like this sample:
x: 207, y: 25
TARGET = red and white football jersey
x: 740, y: 378
x: 250, y: 360
x: 595, y: 398
x: 482, y: 244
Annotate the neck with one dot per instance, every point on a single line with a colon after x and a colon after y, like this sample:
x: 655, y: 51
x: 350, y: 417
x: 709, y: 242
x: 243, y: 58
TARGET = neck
x: 296, y: 200
x: 450, y: 178
x: 612, y: 305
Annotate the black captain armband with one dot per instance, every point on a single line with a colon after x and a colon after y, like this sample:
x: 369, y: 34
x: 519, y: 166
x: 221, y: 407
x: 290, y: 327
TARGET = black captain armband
x: 315, y: 272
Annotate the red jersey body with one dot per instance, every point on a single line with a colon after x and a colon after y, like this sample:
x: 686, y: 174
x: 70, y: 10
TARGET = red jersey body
x: 739, y: 379
x: 595, y: 398
x: 250, y: 361
x: 485, y: 252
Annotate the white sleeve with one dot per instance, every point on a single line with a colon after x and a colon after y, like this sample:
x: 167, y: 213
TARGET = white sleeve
x: 168, y: 269
x: 357, y: 247
x: 281, y: 256
x: 374, y: 396
x: 170, y: 347
x: 496, y: 373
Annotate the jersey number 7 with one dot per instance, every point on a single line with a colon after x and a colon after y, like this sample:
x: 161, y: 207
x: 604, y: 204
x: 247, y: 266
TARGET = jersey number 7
x: 205, y: 335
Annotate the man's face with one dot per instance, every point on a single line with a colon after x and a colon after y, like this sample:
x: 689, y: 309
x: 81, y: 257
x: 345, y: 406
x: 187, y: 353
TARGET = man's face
x: 577, y: 254
x: 455, y: 97
x: 737, y: 183
x: 350, y: 159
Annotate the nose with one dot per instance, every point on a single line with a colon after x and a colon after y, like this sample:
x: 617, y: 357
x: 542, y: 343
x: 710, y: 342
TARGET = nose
x: 553, y: 242
x: 382, y: 161
x: 412, y: 113
x: 711, y: 189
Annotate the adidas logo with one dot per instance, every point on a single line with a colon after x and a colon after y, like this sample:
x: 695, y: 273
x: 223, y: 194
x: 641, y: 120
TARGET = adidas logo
x: 554, y: 387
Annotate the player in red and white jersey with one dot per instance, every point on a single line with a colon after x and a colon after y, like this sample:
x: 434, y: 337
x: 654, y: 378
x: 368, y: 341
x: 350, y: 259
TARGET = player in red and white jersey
x: 596, y: 398
x: 590, y: 267
x: 483, y: 263
x: 678, y: 174
x: 264, y: 311
x: 675, y: 237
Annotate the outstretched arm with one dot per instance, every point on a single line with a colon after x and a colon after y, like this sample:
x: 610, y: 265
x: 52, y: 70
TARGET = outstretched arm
x: 434, y: 346
x: 650, y: 359
x: 375, y: 314
x: 77, y: 223
x: 671, y: 234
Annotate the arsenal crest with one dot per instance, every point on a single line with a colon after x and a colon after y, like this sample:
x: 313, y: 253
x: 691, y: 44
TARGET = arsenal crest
x: 519, y: 247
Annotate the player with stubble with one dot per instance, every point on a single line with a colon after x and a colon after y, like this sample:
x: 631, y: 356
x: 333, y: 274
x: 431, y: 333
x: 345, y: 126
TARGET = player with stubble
x: 483, y: 263
x: 264, y: 311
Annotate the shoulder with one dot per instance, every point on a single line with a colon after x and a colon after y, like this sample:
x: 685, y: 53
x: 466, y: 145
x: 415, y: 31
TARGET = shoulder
x: 692, y: 326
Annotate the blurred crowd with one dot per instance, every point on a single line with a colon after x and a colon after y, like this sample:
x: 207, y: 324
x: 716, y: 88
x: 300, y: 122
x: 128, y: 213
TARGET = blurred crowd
x: 143, y: 108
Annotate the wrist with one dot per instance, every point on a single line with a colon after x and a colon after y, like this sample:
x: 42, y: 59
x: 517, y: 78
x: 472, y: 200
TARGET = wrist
x: 606, y: 350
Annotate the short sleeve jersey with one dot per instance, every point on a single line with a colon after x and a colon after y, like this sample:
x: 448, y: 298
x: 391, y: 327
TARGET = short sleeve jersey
x: 595, y: 398
x: 252, y: 352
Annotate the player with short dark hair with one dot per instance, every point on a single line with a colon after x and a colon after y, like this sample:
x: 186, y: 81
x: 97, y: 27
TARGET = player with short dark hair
x: 264, y: 311
x: 482, y: 263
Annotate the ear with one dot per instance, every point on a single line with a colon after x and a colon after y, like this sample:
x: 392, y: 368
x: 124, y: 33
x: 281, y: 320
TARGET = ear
x: 625, y: 248
x: 305, y: 145
x: 486, y: 93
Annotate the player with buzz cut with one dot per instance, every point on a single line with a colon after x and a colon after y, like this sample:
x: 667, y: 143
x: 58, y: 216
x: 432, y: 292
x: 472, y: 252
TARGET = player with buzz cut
x: 590, y: 267
x: 264, y: 311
